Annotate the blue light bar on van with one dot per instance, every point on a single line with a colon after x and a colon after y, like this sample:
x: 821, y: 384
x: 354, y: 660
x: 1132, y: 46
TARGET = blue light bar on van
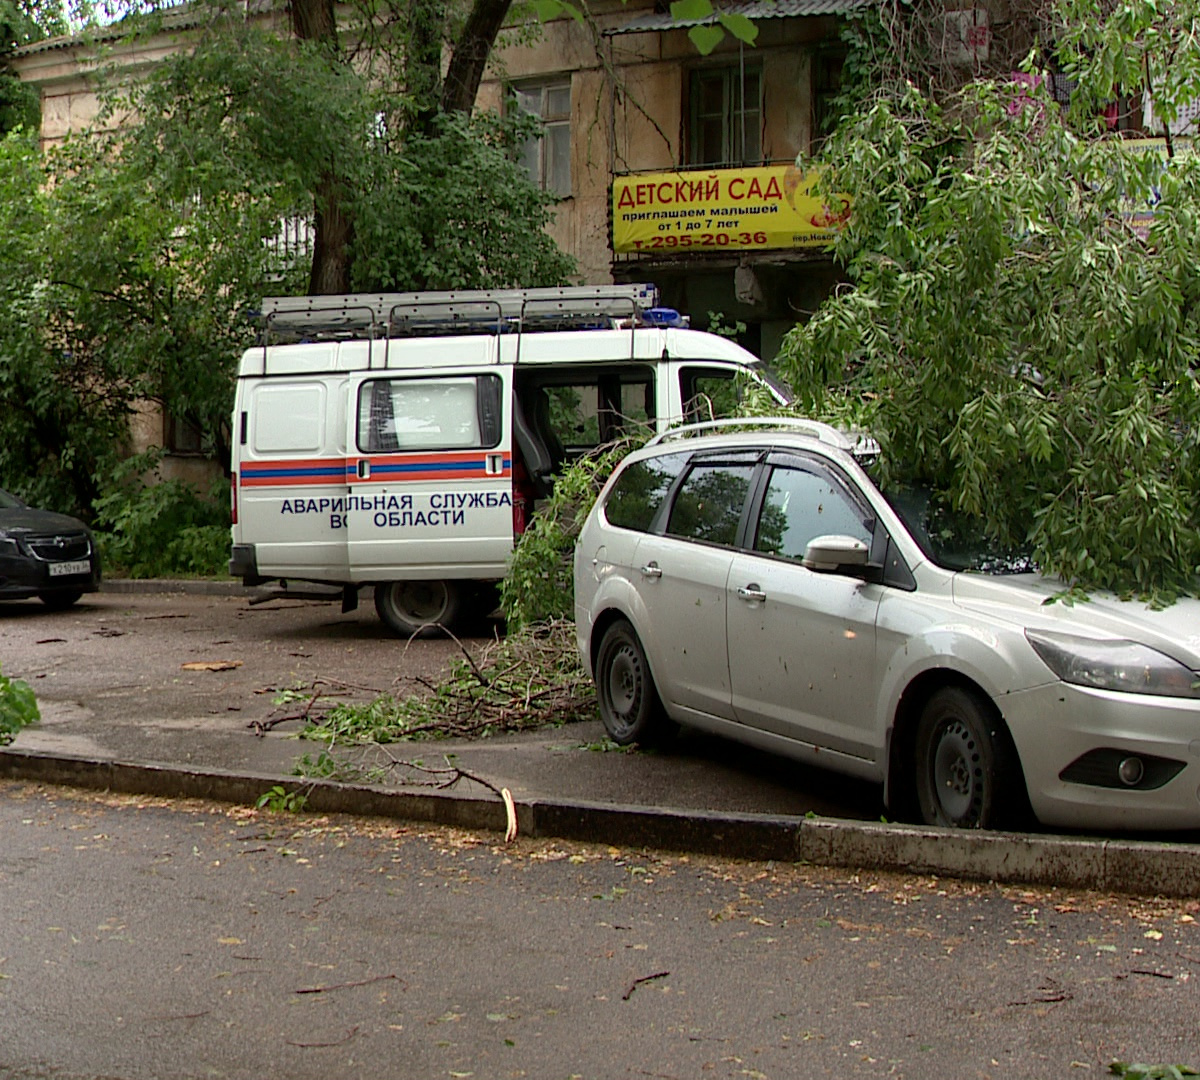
x: 663, y: 316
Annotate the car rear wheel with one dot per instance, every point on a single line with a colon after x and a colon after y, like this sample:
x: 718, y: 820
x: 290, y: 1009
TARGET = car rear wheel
x: 968, y: 775
x: 418, y: 608
x: 629, y: 702
x: 60, y: 600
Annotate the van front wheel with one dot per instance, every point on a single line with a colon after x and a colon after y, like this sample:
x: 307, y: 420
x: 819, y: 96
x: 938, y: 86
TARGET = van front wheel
x: 417, y: 608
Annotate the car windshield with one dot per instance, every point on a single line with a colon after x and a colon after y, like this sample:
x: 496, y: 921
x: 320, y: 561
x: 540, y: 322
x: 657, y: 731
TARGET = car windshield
x: 9, y: 502
x: 952, y: 539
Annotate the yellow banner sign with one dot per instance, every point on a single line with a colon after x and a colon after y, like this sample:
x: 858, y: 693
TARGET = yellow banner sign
x: 724, y: 209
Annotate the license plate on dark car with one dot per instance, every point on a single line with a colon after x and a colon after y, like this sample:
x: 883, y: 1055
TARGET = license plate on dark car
x: 65, y: 569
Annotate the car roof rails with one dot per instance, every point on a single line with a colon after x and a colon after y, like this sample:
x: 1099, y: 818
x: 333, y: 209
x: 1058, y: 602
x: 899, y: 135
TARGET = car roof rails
x: 851, y: 442
x: 355, y: 316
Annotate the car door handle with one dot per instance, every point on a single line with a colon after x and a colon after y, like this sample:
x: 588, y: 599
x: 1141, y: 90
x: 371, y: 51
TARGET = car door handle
x: 751, y: 592
x: 651, y: 570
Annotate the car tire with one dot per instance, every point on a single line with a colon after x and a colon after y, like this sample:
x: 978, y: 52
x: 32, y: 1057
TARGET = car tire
x: 968, y: 774
x: 629, y: 703
x: 418, y: 608
x: 61, y: 599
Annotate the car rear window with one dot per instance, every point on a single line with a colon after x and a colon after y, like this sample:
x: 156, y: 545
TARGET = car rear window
x: 710, y: 502
x: 639, y: 491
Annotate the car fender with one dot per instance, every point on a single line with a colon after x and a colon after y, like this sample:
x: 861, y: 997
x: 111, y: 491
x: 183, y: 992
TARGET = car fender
x: 995, y: 658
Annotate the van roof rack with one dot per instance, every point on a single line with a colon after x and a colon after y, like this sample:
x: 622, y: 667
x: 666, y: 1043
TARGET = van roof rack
x: 851, y: 442
x: 466, y: 311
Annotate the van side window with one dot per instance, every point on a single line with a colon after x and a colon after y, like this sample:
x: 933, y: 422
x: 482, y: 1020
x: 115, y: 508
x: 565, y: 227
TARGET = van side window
x: 709, y: 504
x: 708, y: 393
x: 458, y: 413
x: 638, y: 494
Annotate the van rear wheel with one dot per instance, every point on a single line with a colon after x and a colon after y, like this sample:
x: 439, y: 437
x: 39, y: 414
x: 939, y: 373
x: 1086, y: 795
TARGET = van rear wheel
x: 418, y: 608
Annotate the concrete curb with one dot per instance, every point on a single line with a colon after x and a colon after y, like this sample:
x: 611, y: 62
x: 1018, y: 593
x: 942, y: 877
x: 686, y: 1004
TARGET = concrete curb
x: 1139, y: 867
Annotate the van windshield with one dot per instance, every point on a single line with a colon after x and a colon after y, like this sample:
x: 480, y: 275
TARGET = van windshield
x: 774, y: 380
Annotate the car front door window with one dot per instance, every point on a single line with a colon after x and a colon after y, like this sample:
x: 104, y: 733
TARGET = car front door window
x: 801, y: 505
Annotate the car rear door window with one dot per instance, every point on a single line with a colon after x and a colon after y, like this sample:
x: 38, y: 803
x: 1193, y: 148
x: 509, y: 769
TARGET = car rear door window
x: 710, y: 502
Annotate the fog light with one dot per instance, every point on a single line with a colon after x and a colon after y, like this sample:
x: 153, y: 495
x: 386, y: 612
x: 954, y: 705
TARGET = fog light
x: 1131, y: 770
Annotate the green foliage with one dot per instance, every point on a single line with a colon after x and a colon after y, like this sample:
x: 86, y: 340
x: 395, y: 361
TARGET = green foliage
x: 539, y: 584
x: 1118, y: 48
x: 162, y: 530
x: 21, y: 23
x: 281, y: 801
x: 454, y: 210
x: 1011, y: 339
x: 18, y: 708
x: 1151, y: 1072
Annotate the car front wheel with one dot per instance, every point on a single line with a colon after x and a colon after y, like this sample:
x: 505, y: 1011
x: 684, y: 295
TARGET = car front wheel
x: 417, y: 608
x: 968, y: 775
x: 629, y: 703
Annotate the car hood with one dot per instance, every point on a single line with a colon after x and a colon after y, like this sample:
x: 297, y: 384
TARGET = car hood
x: 1030, y: 599
x: 24, y: 519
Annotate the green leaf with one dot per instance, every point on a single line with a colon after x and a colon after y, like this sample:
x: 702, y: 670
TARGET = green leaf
x: 706, y: 38
x: 742, y: 28
x: 690, y: 10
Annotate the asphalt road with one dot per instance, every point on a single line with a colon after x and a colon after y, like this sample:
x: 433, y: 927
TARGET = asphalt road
x: 111, y: 681
x: 143, y: 939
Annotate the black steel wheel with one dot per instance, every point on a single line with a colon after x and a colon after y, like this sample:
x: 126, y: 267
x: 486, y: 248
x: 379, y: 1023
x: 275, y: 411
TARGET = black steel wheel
x: 629, y: 703
x: 968, y: 775
x: 418, y: 608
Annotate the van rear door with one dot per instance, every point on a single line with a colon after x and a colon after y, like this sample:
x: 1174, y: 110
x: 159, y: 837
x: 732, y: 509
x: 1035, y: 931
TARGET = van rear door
x: 292, y: 476
x: 430, y: 466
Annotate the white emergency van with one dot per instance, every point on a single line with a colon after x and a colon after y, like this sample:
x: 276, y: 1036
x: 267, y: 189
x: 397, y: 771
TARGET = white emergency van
x: 402, y: 440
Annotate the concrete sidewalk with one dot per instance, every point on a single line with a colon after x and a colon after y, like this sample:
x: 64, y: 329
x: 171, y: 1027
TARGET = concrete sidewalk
x: 565, y: 783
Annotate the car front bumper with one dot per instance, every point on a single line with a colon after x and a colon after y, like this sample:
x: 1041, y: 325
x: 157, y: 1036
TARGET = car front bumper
x: 1072, y: 741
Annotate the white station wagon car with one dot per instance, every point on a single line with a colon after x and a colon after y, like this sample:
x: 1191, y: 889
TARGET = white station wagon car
x: 758, y: 585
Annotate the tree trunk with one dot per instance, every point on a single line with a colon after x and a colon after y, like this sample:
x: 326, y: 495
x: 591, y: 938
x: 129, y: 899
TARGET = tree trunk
x: 316, y: 20
x: 471, y: 52
x: 334, y: 232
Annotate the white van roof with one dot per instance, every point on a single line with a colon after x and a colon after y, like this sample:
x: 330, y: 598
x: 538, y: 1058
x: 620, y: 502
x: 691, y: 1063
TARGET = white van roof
x: 640, y: 344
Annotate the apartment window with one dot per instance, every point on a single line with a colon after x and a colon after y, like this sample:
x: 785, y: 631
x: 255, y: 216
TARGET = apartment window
x: 725, y: 116
x: 547, y: 158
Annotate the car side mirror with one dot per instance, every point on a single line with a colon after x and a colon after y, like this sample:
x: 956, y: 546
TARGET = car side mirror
x: 836, y: 554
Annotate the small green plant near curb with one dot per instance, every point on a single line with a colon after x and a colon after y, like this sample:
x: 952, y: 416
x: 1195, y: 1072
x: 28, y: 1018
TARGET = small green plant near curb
x: 18, y: 708
x: 1151, y: 1072
x: 281, y: 801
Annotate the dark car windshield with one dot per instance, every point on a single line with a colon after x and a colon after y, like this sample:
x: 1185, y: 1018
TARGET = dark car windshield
x: 9, y: 502
x: 952, y: 539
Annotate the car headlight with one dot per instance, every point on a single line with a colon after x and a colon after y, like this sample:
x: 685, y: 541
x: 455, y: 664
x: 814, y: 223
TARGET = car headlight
x: 1114, y: 664
x: 8, y: 546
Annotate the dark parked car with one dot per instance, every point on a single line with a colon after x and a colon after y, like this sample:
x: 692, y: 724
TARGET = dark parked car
x: 43, y: 554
